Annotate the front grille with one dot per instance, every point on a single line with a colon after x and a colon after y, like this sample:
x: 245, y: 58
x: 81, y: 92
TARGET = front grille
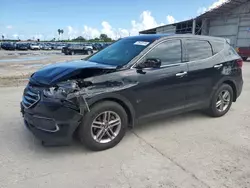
x: 30, y: 97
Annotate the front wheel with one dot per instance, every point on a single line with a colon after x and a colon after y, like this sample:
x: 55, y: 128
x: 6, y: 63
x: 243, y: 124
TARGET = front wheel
x: 221, y: 101
x: 104, y: 126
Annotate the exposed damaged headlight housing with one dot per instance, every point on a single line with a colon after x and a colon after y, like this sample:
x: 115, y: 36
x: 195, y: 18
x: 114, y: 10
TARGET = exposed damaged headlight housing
x: 61, y: 90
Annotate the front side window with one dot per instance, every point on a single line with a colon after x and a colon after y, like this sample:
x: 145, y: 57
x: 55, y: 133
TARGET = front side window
x: 169, y: 52
x: 198, y: 49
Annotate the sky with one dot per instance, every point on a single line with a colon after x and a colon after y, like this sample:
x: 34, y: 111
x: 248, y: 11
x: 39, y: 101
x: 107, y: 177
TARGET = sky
x: 33, y: 19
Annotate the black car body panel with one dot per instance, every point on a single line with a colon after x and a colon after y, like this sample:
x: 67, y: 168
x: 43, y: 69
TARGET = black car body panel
x: 142, y: 92
x: 8, y: 46
x: 55, y: 73
x: 51, y: 121
x: 21, y: 46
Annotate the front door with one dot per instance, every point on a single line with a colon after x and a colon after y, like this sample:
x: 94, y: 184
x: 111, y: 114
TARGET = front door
x: 162, y: 90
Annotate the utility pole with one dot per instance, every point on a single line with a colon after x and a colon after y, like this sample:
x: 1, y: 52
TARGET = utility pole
x: 194, y: 26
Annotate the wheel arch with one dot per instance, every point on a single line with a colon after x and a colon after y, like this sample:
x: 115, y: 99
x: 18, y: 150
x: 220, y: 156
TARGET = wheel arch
x: 233, y: 86
x: 128, y: 107
x: 229, y: 82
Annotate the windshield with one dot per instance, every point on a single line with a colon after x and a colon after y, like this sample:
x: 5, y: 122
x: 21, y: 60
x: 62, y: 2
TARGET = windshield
x: 120, y: 53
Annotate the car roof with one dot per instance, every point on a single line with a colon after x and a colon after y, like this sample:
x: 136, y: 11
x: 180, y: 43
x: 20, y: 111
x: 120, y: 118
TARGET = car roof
x: 150, y: 37
x: 153, y: 37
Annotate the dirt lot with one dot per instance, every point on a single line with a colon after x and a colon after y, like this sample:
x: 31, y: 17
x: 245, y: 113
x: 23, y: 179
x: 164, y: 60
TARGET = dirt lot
x: 190, y: 150
x: 17, y: 66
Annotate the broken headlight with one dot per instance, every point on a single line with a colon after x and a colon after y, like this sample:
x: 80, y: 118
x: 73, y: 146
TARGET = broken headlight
x: 61, y: 90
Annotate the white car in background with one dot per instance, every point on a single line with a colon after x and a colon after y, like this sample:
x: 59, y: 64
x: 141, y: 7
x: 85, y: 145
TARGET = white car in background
x: 35, y: 47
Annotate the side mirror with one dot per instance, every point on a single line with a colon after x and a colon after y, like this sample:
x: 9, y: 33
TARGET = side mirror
x: 150, y: 63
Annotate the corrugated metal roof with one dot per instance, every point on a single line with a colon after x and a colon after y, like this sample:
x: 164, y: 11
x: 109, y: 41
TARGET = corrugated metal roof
x: 223, y: 8
x: 154, y: 29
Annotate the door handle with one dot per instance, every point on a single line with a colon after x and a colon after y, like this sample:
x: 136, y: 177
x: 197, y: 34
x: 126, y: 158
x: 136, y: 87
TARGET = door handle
x: 180, y: 74
x: 218, y: 66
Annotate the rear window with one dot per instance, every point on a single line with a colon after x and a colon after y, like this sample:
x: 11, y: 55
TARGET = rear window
x: 198, y: 49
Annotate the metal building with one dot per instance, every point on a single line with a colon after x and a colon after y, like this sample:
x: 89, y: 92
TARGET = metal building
x: 231, y: 20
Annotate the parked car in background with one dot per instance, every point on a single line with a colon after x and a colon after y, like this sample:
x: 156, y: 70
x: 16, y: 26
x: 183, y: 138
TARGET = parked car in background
x: 244, y: 52
x: 58, y: 46
x: 9, y: 46
x: 45, y: 47
x: 135, y: 78
x: 34, y: 46
x: 72, y: 49
x: 22, y: 46
x: 97, y: 46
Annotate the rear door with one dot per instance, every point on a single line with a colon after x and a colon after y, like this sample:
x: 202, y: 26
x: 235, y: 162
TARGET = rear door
x: 201, y: 72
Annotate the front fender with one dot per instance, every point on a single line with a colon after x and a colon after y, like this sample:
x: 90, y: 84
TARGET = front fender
x: 123, y: 101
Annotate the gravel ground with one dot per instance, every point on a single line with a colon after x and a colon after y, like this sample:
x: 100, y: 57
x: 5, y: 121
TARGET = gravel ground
x: 185, y: 151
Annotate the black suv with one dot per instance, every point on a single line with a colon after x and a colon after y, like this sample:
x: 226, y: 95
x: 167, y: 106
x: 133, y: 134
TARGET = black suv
x: 132, y: 79
x: 72, y: 49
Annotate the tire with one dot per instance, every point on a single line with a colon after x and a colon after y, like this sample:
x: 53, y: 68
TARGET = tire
x: 217, y: 111
x: 244, y: 58
x: 89, y: 52
x: 86, y: 131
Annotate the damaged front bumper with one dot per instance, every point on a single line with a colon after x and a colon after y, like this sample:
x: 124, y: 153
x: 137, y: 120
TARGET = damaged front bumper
x: 53, y: 121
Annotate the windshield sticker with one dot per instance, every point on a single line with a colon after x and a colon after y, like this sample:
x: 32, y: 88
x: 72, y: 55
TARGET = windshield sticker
x: 141, y: 43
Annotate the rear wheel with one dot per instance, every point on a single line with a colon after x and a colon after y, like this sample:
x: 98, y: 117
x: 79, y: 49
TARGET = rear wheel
x: 221, y: 101
x: 104, y: 126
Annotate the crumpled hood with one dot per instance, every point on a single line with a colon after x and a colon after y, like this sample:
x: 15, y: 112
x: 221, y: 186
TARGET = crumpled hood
x: 58, y: 72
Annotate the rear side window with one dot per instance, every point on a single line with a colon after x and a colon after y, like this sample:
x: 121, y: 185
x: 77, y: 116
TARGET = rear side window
x: 198, y: 49
x: 217, y: 46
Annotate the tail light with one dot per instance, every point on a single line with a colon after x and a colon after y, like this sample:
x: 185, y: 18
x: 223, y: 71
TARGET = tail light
x: 237, y: 50
x: 239, y: 63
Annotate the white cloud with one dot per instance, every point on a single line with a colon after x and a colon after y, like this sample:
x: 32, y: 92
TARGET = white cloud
x: 170, y: 19
x: 145, y: 21
x: 216, y: 4
x: 123, y: 32
x: 201, y: 10
x: 9, y: 27
x: 72, y: 33
x: 15, y: 36
x: 90, y: 32
x: 108, y: 30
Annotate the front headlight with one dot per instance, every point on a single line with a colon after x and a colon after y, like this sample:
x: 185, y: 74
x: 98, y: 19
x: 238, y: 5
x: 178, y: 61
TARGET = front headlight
x: 61, y: 90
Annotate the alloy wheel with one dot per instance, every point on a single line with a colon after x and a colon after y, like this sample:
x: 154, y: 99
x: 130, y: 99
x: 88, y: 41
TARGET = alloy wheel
x: 223, y: 100
x: 105, y: 127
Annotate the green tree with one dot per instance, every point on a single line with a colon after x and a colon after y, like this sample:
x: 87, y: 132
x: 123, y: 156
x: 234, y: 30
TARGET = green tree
x: 79, y: 39
x: 103, y: 36
x: 60, y: 31
x: 108, y: 40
